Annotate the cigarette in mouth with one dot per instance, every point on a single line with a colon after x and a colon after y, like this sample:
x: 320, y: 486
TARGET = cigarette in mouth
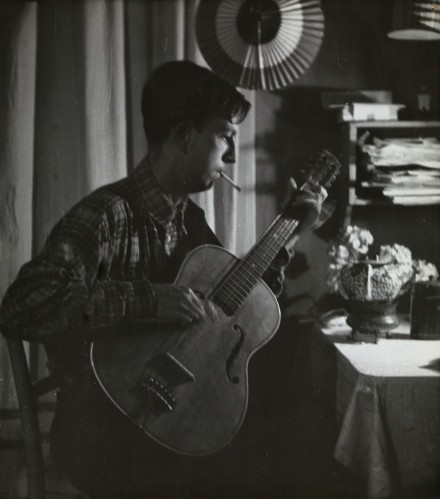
x: 230, y: 181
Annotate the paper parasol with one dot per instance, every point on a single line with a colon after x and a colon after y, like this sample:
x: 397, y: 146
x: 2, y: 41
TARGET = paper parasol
x: 259, y: 44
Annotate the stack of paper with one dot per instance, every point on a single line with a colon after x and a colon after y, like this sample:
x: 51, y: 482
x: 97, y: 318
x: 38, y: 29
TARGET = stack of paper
x: 403, y: 152
x: 406, y: 171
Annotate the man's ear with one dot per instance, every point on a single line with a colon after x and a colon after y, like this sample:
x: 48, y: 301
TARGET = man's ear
x: 182, y: 134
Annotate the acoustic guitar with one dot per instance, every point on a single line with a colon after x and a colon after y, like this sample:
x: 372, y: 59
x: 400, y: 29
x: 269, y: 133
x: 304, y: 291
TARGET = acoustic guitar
x: 187, y: 388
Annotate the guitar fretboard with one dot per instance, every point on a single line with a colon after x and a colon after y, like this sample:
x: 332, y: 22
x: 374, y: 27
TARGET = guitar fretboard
x: 241, y: 279
x: 234, y: 290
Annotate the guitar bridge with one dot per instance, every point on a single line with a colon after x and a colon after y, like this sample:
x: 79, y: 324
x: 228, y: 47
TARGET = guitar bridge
x: 163, y: 394
x: 162, y: 373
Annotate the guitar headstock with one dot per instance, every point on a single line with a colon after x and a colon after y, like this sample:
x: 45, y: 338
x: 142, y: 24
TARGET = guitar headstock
x: 324, y: 171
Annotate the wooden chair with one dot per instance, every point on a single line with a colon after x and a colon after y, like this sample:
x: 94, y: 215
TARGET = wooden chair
x: 27, y: 396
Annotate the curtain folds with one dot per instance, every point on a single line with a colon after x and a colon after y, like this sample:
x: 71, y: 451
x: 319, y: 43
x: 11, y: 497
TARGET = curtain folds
x: 17, y: 98
x: 80, y: 119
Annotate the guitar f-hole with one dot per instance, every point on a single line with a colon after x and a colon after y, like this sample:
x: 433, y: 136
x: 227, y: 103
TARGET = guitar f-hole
x: 234, y: 353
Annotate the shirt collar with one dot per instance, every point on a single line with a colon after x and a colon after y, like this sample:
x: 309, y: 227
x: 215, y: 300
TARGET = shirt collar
x: 152, y: 198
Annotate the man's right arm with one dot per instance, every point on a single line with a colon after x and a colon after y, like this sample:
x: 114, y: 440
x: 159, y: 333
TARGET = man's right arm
x: 67, y: 284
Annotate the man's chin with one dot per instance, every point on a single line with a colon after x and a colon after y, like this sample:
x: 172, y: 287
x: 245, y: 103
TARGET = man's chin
x: 202, y: 187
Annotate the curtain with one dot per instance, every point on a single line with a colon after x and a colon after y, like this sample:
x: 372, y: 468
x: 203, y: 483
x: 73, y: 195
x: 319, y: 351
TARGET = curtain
x: 17, y: 73
x: 71, y: 75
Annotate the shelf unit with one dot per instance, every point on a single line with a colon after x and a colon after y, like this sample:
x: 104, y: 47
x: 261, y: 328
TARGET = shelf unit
x: 354, y: 173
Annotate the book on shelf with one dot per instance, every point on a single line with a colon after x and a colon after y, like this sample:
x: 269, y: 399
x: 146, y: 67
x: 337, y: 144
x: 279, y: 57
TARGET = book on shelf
x: 404, y: 174
x: 415, y: 180
x: 337, y: 99
x: 424, y: 173
x: 411, y: 191
x: 403, y: 162
x: 410, y: 179
x: 415, y: 200
x: 414, y: 186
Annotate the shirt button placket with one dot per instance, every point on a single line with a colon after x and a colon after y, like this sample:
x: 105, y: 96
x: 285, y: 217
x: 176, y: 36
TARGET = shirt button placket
x: 167, y: 243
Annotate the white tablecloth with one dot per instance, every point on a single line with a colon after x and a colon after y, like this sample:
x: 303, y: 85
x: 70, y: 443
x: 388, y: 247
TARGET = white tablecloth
x: 388, y: 404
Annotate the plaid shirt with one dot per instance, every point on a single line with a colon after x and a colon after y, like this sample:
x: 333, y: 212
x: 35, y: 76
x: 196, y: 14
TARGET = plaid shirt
x: 98, y: 264
x: 97, y: 268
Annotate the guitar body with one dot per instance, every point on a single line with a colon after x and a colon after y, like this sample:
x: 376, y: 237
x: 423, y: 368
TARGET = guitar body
x: 187, y: 388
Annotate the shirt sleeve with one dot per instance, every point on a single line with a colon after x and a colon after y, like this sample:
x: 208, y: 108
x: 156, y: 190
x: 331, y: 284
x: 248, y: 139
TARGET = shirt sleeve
x: 68, y: 285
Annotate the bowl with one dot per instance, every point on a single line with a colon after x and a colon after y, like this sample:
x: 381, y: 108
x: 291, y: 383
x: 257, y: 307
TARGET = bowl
x: 374, y: 281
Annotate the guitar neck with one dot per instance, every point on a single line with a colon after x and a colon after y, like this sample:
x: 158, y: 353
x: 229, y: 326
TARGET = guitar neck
x: 264, y: 252
x: 239, y: 283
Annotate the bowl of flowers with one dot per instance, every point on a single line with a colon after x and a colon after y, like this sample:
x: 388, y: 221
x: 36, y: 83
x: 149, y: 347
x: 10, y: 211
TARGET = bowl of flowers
x: 371, y: 285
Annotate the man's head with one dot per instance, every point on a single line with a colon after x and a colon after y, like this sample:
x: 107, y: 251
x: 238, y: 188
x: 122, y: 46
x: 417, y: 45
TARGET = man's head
x: 189, y: 116
x: 181, y: 91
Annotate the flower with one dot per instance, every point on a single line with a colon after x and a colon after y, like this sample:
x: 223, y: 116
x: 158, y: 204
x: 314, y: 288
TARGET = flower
x: 398, y: 259
x: 349, y: 245
x: 383, y: 279
x: 395, y: 254
x: 424, y: 271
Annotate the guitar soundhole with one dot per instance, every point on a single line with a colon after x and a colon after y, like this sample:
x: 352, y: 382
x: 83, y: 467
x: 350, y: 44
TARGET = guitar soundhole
x: 234, y: 379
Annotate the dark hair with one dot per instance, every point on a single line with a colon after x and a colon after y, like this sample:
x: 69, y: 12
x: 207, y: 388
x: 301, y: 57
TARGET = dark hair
x: 180, y: 91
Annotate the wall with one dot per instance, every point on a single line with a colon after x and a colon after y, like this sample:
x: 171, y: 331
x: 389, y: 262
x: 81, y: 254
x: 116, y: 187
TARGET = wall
x: 291, y: 125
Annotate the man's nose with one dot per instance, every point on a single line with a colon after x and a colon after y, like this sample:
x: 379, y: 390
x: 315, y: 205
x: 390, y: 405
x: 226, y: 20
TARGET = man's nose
x: 229, y: 156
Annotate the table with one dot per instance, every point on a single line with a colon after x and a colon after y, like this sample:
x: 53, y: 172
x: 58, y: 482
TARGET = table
x: 387, y: 406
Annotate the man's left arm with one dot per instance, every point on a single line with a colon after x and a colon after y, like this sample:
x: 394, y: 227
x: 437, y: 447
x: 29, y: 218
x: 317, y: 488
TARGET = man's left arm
x: 307, y: 208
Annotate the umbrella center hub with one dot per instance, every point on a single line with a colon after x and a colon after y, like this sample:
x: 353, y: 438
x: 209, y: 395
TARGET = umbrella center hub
x: 258, y: 21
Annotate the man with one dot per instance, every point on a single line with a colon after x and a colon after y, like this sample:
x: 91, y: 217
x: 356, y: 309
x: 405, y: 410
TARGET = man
x: 112, y: 259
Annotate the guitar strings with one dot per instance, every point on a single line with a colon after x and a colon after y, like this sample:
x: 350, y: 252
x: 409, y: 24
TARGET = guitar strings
x: 227, y: 293
x: 239, y: 273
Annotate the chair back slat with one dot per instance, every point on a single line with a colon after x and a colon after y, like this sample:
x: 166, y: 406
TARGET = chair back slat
x: 29, y: 420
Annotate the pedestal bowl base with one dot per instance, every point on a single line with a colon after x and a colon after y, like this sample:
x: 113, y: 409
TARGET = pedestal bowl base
x: 371, y: 321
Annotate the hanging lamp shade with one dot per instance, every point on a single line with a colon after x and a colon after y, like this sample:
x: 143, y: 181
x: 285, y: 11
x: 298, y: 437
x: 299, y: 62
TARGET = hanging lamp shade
x: 415, y: 20
x: 259, y: 44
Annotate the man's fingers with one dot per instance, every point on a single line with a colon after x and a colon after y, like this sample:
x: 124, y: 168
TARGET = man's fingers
x: 181, y: 317
x: 211, y: 311
x: 178, y: 303
x: 316, y: 196
x: 189, y: 311
x: 196, y: 303
x: 319, y: 191
x: 191, y: 305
